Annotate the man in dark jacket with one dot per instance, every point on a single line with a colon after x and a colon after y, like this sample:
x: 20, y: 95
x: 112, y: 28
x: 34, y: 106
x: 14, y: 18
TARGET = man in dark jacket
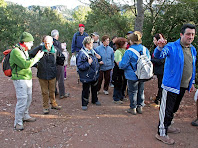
x: 47, y: 74
x: 60, y: 68
x: 78, y: 39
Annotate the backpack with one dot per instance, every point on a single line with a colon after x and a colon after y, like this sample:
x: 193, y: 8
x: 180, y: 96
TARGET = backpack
x: 144, y: 70
x: 6, y: 64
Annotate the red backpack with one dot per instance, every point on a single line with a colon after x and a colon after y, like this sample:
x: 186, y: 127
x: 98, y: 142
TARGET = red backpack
x: 6, y: 64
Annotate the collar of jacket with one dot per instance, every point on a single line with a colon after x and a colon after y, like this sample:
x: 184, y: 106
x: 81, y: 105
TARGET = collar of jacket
x: 51, y: 51
x: 23, y: 46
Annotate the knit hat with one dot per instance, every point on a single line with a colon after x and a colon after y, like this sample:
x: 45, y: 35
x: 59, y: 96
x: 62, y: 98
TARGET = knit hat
x: 26, y: 37
x: 81, y: 25
x: 136, y: 37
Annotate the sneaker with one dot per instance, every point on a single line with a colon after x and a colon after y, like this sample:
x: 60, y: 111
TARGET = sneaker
x: 173, y: 130
x: 31, y: 119
x: 165, y: 139
x: 195, y: 123
x: 65, y: 96
x: 118, y: 102
x: 84, y: 108
x: 105, y: 92
x: 56, y: 107
x: 45, y: 111
x: 139, y: 109
x: 111, y: 85
x: 19, y: 127
x: 132, y: 111
x: 98, y: 103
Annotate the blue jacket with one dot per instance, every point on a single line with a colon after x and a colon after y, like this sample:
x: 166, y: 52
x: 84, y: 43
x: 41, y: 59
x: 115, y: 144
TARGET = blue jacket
x: 107, y: 56
x: 77, y: 41
x: 88, y: 73
x: 174, y: 64
x: 131, y: 57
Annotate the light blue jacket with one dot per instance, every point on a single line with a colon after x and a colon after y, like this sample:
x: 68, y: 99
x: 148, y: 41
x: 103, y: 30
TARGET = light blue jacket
x: 131, y: 57
x: 174, y: 64
x: 107, y: 56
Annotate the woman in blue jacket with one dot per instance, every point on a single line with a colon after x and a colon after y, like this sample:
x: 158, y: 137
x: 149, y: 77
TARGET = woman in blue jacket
x: 107, y: 63
x: 88, y: 69
x: 129, y: 64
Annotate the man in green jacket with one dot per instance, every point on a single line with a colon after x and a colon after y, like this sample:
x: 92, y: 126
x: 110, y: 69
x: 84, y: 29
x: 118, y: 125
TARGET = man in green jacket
x: 22, y: 78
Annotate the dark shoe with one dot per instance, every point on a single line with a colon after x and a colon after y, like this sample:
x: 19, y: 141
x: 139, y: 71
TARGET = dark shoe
x: 19, y: 127
x: 173, y: 130
x: 45, y: 111
x: 132, y: 111
x: 139, y: 109
x: 30, y: 120
x: 65, y: 96
x: 195, y: 123
x: 84, y: 108
x: 165, y: 139
x: 98, y: 103
x: 157, y: 101
x: 56, y: 107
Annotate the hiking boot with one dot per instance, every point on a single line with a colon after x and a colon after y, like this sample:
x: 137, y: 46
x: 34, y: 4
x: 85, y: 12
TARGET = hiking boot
x: 173, y: 130
x: 165, y: 139
x: 84, y: 108
x: 132, y: 111
x: 31, y: 119
x: 46, y: 111
x: 56, y: 107
x: 118, y: 102
x: 139, y: 109
x: 105, y: 92
x: 195, y: 123
x: 19, y: 127
x: 65, y: 96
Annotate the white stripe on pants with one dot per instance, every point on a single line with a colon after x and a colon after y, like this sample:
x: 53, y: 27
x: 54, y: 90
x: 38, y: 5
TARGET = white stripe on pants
x: 24, y: 98
x: 162, y: 129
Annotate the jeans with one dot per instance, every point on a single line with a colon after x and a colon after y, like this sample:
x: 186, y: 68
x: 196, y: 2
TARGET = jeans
x: 136, y: 93
x: 24, y: 98
x: 117, y: 94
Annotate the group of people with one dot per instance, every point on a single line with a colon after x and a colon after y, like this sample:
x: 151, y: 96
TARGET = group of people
x: 174, y: 65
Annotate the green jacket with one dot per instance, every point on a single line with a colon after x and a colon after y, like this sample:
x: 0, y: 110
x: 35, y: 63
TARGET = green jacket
x: 21, y: 64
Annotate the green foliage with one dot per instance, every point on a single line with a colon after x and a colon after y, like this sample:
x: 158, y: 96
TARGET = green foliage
x: 106, y: 18
x: 80, y: 14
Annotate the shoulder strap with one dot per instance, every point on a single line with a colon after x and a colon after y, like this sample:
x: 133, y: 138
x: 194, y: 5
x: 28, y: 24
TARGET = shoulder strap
x: 85, y: 53
x: 134, y: 51
x: 144, y: 50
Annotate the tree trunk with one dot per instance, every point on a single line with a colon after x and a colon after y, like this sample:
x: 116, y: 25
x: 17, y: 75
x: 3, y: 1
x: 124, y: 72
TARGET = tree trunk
x: 140, y: 16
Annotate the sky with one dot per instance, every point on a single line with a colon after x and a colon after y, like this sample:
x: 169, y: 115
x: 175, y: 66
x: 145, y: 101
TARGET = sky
x: 69, y: 3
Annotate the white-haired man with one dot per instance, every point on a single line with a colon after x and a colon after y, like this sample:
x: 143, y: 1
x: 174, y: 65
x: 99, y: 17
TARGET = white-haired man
x: 60, y: 68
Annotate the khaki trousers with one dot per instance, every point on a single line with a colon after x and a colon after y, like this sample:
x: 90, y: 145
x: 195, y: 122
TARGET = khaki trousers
x: 48, y: 91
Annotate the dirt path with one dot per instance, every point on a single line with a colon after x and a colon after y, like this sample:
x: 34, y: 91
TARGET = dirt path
x: 106, y: 126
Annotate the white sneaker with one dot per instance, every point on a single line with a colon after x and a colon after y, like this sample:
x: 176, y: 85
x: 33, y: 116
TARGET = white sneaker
x: 105, y: 92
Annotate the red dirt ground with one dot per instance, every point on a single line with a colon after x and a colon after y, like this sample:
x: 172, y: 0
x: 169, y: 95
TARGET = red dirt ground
x: 106, y: 126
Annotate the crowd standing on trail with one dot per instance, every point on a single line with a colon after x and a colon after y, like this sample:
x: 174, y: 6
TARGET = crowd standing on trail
x: 95, y: 60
